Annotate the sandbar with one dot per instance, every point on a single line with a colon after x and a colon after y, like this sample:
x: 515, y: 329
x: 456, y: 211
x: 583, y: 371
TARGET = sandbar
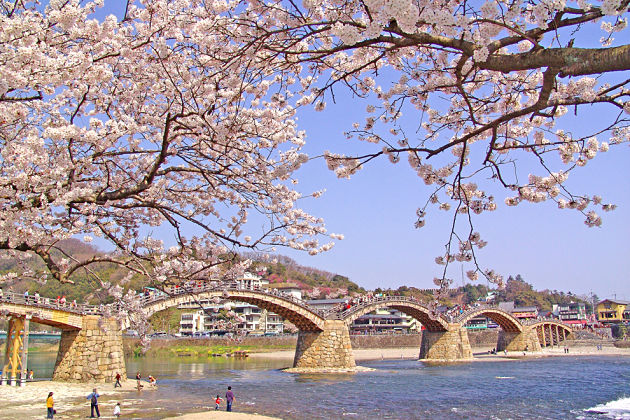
x: 222, y: 415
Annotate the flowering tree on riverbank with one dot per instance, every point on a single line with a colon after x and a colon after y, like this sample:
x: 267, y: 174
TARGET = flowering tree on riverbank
x: 150, y: 127
x: 182, y: 114
x: 465, y: 92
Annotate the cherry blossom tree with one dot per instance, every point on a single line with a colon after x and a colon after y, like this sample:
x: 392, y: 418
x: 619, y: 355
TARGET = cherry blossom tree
x: 182, y: 114
x: 152, y: 126
x: 465, y: 91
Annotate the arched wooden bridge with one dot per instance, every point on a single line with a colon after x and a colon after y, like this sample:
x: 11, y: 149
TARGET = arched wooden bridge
x: 91, y: 343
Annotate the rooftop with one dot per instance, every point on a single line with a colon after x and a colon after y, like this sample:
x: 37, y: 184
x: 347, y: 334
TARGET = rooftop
x: 617, y: 301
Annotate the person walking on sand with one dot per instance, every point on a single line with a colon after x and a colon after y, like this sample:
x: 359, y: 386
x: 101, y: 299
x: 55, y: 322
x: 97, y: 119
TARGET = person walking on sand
x: 93, y: 397
x: 117, y: 384
x: 229, y: 398
x: 50, y: 404
x: 217, y: 402
x: 117, y: 410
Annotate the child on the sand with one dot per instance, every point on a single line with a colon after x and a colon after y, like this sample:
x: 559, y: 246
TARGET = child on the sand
x: 117, y: 410
x: 217, y: 402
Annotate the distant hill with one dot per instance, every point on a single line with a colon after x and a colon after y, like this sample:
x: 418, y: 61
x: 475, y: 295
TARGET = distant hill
x: 314, y: 282
x: 516, y: 289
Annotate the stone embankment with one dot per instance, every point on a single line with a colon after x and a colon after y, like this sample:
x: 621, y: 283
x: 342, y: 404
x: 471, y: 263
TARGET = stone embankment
x: 476, y: 338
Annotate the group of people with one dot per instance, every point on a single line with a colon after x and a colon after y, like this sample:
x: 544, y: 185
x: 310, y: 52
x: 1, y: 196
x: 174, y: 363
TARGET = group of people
x: 229, y: 399
x: 139, y: 386
x: 92, y: 397
x: 60, y: 301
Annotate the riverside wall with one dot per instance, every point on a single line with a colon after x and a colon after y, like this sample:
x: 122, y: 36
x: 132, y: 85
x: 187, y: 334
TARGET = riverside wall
x: 477, y: 339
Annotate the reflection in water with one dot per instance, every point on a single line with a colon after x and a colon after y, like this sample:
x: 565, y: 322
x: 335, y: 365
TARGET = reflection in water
x: 398, y: 389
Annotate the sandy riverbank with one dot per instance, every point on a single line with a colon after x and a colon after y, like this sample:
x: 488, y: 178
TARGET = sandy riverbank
x: 480, y: 353
x: 222, y: 415
x: 28, y: 402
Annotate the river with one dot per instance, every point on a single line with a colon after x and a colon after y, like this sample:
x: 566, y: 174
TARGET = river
x: 545, y: 388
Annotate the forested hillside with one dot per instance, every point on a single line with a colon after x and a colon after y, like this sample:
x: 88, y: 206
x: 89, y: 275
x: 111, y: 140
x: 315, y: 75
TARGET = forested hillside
x: 315, y: 283
x: 516, y: 290
x: 86, y: 288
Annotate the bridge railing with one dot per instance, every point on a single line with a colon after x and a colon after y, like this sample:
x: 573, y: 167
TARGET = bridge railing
x: 50, y: 303
x: 225, y: 287
x: 341, y: 311
x: 543, y: 319
x: 525, y: 322
x: 474, y: 309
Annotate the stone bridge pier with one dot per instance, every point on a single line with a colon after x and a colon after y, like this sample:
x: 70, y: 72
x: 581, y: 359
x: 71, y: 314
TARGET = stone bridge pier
x: 526, y: 340
x: 449, y: 345
x: 93, y: 353
x: 326, y: 349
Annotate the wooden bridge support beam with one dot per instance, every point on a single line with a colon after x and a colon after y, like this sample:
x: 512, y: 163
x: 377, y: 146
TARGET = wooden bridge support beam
x: 16, y: 351
x: 527, y: 340
x: 447, y: 345
x: 327, y: 349
x: 94, y: 353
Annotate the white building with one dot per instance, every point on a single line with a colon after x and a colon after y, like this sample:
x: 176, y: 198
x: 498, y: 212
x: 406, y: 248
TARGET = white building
x: 288, y: 289
x: 385, y: 321
x: 191, y: 323
x: 254, y: 318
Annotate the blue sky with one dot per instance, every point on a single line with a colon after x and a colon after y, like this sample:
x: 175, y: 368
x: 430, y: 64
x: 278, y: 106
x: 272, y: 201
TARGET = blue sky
x: 375, y: 210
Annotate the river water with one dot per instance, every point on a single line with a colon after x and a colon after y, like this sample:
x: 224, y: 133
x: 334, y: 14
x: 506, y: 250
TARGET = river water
x: 583, y: 387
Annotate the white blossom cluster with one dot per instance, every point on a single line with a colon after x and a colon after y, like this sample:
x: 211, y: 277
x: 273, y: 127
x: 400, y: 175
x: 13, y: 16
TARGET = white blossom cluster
x: 464, y: 71
x: 118, y: 129
x: 183, y: 115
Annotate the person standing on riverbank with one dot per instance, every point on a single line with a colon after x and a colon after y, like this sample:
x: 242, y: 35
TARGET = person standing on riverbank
x: 50, y: 404
x: 229, y: 398
x: 93, y: 397
x: 117, y: 384
x: 138, y: 377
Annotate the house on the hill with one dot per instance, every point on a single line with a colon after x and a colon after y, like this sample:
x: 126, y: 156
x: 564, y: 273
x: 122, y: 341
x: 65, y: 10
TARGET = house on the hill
x: 613, y: 311
x: 287, y: 288
x: 573, y: 313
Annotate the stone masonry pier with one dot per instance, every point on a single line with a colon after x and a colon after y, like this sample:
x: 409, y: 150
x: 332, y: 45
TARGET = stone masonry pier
x: 450, y: 345
x: 94, y: 353
x: 327, y: 349
x: 526, y: 340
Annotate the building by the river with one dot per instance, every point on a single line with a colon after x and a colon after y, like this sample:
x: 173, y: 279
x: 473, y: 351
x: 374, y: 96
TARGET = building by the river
x: 573, y: 313
x: 613, y: 311
x: 201, y: 317
x: 381, y: 321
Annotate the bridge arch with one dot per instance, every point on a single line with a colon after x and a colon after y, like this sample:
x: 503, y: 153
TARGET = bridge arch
x: 550, y: 332
x: 507, y: 321
x: 403, y: 304
x: 303, y: 317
